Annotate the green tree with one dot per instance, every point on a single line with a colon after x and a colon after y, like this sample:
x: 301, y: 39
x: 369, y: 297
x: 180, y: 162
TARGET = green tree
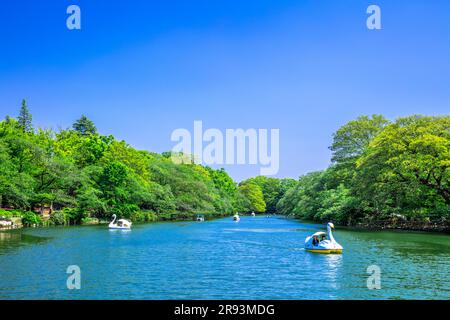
x: 273, y: 189
x: 25, y: 118
x: 253, y: 193
x: 351, y: 139
x: 84, y: 126
x: 406, y: 168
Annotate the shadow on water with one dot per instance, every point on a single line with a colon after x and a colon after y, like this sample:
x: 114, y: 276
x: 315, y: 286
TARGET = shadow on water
x: 404, y: 242
x: 12, y: 239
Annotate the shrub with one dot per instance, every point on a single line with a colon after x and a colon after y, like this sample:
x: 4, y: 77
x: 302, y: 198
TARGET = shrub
x: 30, y: 218
x: 89, y: 220
x: 126, y: 210
x: 73, y: 215
x: 10, y: 213
x: 143, y: 216
x: 58, y: 218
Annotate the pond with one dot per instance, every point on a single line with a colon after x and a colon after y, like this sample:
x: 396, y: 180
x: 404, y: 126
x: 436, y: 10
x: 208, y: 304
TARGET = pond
x: 257, y: 258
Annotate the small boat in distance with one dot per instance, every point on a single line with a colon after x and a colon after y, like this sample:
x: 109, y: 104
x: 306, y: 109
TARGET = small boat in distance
x: 200, y: 217
x: 253, y: 213
x: 319, y: 243
x: 236, y: 217
x: 122, y: 224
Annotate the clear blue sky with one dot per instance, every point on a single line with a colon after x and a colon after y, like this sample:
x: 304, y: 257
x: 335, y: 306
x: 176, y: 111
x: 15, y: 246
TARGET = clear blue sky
x: 141, y: 69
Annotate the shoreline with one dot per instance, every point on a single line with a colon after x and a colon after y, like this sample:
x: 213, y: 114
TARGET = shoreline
x: 163, y: 218
x: 428, y: 227
x: 406, y: 226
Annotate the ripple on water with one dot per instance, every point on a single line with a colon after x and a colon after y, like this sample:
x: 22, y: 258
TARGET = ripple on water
x: 257, y: 258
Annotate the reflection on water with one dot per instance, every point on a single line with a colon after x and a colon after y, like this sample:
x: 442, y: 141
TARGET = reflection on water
x: 16, y: 238
x: 331, y: 268
x: 266, y: 230
x: 257, y: 258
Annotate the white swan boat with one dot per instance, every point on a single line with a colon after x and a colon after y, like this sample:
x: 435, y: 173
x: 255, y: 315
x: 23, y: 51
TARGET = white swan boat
x: 236, y: 217
x: 319, y: 243
x: 200, y: 217
x: 253, y: 213
x: 122, y: 224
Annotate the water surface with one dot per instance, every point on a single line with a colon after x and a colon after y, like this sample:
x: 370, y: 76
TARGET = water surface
x: 256, y: 258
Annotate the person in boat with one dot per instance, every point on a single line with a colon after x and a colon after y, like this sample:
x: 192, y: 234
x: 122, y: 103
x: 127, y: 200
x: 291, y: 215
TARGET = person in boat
x: 315, y: 241
x: 323, y: 237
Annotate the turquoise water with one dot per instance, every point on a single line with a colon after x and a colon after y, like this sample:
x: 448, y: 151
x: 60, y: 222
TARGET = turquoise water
x: 256, y: 258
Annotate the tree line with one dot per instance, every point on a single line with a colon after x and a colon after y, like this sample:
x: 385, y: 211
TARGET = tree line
x: 379, y: 170
x: 79, y: 174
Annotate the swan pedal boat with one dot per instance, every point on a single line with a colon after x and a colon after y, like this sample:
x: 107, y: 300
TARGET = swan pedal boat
x: 236, y: 217
x: 329, y: 245
x: 122, y: 224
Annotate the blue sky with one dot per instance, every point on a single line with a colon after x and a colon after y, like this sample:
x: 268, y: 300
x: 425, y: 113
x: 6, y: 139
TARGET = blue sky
x: 141, y: 69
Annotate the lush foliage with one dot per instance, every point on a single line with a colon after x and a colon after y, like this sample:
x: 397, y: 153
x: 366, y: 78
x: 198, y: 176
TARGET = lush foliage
x: 265, y: 192
x: 82, y: 175
x: 380, y: 171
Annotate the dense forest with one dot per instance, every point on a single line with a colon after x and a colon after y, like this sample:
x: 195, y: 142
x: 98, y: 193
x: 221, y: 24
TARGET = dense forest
x: 380, y: 170
x: 78, y: 175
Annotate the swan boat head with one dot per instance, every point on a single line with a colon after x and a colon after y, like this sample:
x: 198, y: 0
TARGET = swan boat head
x: 322, y: 242
x: 121, y: 223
